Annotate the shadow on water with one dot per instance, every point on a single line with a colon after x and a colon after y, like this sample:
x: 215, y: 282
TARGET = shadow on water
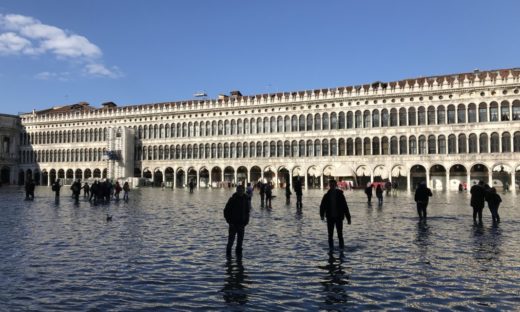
x: 335, y: 281
x: 235, y: 290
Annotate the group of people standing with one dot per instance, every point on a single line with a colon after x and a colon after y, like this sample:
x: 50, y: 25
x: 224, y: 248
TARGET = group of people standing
x: 481, y: 193
x: 98, y: 192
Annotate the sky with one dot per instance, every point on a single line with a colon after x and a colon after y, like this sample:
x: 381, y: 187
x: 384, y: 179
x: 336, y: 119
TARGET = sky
x: 58, y: 52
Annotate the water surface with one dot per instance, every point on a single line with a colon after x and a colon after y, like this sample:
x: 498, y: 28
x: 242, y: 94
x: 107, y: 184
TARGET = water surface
x: 165, y: 250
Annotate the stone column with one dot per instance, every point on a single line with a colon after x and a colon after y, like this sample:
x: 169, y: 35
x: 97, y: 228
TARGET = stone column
x: 198, y: 179
x: 428, y: 182
x: 512, y: 187
x: 174, y: 178
x: 186, y: 179
x: 321, y: 181
x: 447, y: 187
x: 408, y: 186
x: 490, y: 177
x: 210, y: 178
x: 468, y: 181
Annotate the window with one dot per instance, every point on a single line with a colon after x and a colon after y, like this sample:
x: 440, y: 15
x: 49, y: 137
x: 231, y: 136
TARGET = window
x: 461, y: 113
x: 472, y: 113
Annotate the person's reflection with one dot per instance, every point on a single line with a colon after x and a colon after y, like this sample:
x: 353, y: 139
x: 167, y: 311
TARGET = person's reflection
x: 422, y: 240
x: 234, y: 290
x: 487, y: 244
x: 335, y: 281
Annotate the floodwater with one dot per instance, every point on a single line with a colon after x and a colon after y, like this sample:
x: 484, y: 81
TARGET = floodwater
x: 165, y: 250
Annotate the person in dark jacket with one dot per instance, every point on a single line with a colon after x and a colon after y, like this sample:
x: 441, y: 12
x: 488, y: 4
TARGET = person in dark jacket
x: 297, y: 186
x: 478, y: 197
x: 494, y: 201
x: 261, y: 187
x: 268, y: 195
x: 334, y: 207
x: 422, y: 197
x: 379, y: 194
x: 368, y: 191
x: 76, y: 189
x: 236, y: 214
x: 29, y: 190
x: 56, y: 188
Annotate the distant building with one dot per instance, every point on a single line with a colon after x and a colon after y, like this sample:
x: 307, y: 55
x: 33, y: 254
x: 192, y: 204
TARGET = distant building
x: 446, y: 130
x: 9, y: 143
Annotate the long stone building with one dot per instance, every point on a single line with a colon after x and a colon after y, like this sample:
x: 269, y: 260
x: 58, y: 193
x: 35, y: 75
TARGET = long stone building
x: 447, y: 130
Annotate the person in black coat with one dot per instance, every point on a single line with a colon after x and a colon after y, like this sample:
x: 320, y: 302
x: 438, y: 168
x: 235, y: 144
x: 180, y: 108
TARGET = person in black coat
x: 236, y: 214
x: 422, y: 197
x: 334, y: 207
x: 297, y: 186
x: 29, y: 190
x: 368, y: 191
x: 478, y: 197
x: 494, y: 201
x: 56, y: 188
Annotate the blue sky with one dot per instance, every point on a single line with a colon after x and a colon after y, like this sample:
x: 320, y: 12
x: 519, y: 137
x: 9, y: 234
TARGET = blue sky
x: 57, y: 52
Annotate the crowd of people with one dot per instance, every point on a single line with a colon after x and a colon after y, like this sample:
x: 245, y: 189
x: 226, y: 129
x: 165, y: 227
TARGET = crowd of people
x: 98, y: 192
x: 334, y: 208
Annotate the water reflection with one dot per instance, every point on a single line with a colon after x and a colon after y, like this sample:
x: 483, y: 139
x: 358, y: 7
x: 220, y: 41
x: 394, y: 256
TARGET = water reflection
x: 487, y: 242
x: 235, y: 290
x: 335, y: 281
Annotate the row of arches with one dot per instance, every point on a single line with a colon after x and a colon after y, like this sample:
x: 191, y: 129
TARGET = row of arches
x: 403, y: 145
x: 368, y: 118
x: 47, y: 177
x: 439, y: 177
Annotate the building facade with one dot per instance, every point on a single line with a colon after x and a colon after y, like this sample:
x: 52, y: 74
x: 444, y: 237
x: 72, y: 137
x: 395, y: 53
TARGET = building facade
x: 9, y: 144
x: 448, y: 130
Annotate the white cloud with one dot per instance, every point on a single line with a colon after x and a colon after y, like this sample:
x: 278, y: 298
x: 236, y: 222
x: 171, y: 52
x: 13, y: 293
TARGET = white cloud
x: 63, y: 76
x: 100, y: 70
x: 25, y: 35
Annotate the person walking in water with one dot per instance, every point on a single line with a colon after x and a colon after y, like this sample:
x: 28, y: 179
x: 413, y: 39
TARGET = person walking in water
x: 298, y: 190
x: 379, y: 194
x: 268, y: 195
x: 56, y: 188
x: 236, y: 214
x: 261, y: 187
x: 191, y: 185
x: 334, y: 207
x: 29, y: 190
x: 368, y: 191
x: 86, y: 190
x: 117, y: 190
x: 76, y: 190
x: 249, y: 193
x: 494, y: 201
x: 478, y: 197
x: 126, y: 189
x: 422, y: 196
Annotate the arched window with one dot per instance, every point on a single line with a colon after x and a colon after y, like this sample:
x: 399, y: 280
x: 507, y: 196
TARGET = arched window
x: 259, y: 126
x: 516, y: 110
x: 393, y: 117
x: 422, y: 144
x: 495, y: 143
x: 462, y: 144
x: 461, y: 113
x: 452, y: 144
x: 324, y: 121
x: 341, y: 147
x: 349, y: 120
x: 403, y: 146
x: 272, y: 149
x: 265, y: 151
x: 366, y: 146
x: 233, y: 127
x: 442, y: 144
x: 350, y: 147
x: 240, y: 127
x: 359, y: 121
x: 384, y: 118
x: 273, y: 125
x: 258, y: 149
x: 266, y: 125
x: 385, y: 146
x: 247, y: 126
x: 472, y: 143
x: 301, y: 122
x: 185, y: 129
x: 317, y: 122
x: 493, y: 111
x: 325, y: 148
x: 375, y: 118
x: 451, y: 114
x: 310, y: 148
x: 482, y: 112
x: 431, y: 115
x: 421, y: 116
x: 317, y: 148
x: 402, y: 117
x: 287, y: 124
x: 432, y: 148
x: 294, y: 123
x: 506, y: 142
x: 412, y: 120
x: 472, y: 112
x: 333, y: 121
x: 412, y: 145
x: 375, y: 146
x: 341, y: 120
x: 504, y: 111
x: 441, y: 115
x: 280, y: 125
x: 516, y: 142
x: 333, y: 148
x: 301, y: 146
x: 366, y: 119
x: 358, y: 146
x: 483, y: 143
